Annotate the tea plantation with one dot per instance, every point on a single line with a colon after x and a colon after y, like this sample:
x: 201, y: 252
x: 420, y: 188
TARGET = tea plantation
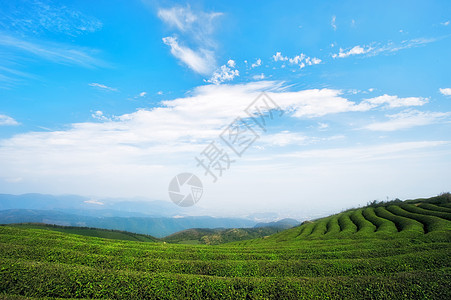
x: 397, y: 250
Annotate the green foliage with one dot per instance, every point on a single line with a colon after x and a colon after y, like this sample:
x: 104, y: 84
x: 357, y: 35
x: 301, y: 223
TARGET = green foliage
x: 357, y: 254
x: 94, y: 232
x: 384, y: 226
x: 430, y: 222
x: 434, y: 207
x: 347, y: 227
x: 332, y: 226
x: 364, y: 226
x: 219, y: 236
x: 403, y: 224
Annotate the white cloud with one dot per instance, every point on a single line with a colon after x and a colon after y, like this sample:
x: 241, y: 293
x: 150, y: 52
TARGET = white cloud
x: 231, y: 63
x: 357, y: 50
x: 301, y: 60
x: 259, y: 76
x: 102, y: 86
x: 197, y: 23
x: 284, y: 138
x: 180, y: 17
x: 408, y: 119
x: 196, y: 28
x: 395, y: 101
x: 376, y: 48
x: 54, y: 52
x: 257, y: 63
x: 278, y: 57
x: 201, y: 61
x: 332, y: 22
x: 142, y: 94
x: 297, y: 59
x: 39, y: 16
x: 98, y: 115
x: 366, y: 153
x: 445, y: 91
x: 323, y: 126
x: 160, y: 93
x: 7, y: 121
x: 138, y: 153
x: 223, y: 74
x: 445, y: 23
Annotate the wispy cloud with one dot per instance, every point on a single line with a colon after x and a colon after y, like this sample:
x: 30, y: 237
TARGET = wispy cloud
x: 279, y: 57
x: 118, y: 154
x: 394, y: 101
x: 196, y: 27
x: 102, y: 86
x: 446, y: 23
x: 408, y: 119
x: 225, y: 73
x: 54, y: 52
x: 201, y: 61
x: 445, y: 91
x: 300, y: 60
x: 357, y: 50
x: 377, y: 48
x: 257, y: 63
x: 260, y: 76
x: 36, y: 17
x: 332, y: 22
x: 7, y: 121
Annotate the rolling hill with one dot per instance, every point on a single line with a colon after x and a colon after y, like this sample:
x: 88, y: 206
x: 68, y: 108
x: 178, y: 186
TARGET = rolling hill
x: 218, y: 236
x: 395, y: 250
x: 88, y: 231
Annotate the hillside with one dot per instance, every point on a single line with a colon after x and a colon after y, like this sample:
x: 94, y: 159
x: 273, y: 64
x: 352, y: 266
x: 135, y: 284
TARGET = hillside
x: 398, y: 250
x: 93, y: 232
x: 218, y: 236
x: 410, y: 218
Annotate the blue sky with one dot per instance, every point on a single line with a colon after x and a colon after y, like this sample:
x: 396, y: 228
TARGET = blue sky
x: 114, y: 98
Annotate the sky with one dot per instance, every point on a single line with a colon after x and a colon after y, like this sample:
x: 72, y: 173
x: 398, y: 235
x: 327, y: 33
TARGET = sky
x: 115, y: 98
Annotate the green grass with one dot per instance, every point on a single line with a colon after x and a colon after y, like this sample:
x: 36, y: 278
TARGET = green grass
x: 370, y: 253
x: 363, y: 225
x: 332, y: 226
x: 383, y: 226
x: 94, y: 232
x: 403, y: 224
x: 347, y: 227
x: 430, y: 223
x: 433, y: 207
x: 423, y: 211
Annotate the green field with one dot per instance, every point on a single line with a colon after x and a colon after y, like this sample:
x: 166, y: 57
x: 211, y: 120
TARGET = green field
x: 398, y: 250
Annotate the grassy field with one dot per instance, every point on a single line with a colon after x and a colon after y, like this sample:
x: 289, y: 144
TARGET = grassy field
x: 87, y: 231
x: 398, y: 250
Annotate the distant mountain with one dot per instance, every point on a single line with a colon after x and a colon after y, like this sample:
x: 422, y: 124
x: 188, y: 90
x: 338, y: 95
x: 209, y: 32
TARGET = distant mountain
x: 155, y: 226
x: 281, y: 224
x: 106, y: 207
x: 219, y: 236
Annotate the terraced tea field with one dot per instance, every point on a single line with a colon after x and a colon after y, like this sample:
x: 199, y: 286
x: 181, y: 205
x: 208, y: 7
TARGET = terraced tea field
x: 397, y: 251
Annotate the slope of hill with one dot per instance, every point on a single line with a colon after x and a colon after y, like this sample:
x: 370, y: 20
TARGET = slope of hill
x: 410, y: 218
x: 88, y: 231
x: 389, y: 251
x: 281, y: 224
x: 218, y: 236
